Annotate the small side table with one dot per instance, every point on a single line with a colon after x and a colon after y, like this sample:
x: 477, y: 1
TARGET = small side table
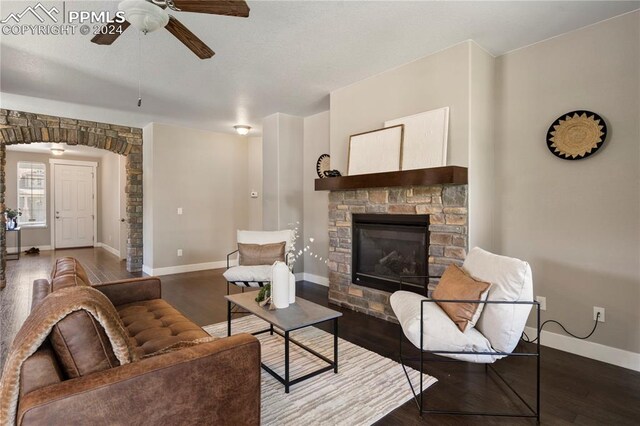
x: 16, y: 256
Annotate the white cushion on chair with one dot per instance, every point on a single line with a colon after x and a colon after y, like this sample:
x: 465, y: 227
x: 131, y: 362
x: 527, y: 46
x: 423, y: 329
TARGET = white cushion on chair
x: 266, y: 237
x: 248, y: 274
x: 439, y: 332
x: 511, y: 280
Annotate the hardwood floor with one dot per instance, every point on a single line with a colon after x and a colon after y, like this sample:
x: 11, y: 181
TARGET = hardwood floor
x: 575, y: 390
x: 15, y: 299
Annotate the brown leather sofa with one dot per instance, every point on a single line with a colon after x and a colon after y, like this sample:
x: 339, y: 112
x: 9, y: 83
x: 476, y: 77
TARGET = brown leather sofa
x: 74, y: 378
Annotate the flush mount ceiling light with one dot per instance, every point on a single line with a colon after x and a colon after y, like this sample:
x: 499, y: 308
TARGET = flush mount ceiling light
x: 242, y: 129
x: 144, y: 16
x: 57, y: 151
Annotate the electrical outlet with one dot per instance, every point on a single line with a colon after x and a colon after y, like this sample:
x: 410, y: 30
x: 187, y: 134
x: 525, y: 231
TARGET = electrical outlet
x: 179, y: 252
x: 543, y: 302
x: 179, y: 210
x: 598, y: 310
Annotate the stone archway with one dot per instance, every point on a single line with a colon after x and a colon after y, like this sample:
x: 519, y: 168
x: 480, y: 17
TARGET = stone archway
x: 18, y: 127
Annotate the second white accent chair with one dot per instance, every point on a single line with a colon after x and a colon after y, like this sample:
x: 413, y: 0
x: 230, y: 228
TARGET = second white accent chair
x: 255, y: 275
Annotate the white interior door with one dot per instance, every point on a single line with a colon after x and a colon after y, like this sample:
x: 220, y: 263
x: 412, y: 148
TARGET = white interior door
x: 73, y: 206
x: 123, y: 207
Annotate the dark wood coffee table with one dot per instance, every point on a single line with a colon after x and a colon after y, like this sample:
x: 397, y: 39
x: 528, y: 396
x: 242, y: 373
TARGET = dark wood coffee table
x: 283, y: 321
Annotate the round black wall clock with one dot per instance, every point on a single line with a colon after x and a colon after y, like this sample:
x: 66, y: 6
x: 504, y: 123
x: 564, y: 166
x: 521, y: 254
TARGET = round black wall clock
x: 576, y: 135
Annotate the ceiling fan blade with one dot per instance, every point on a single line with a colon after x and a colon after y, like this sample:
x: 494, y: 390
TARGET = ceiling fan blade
x: 216, y: 7
x: 189, y: 39
x: 112, y: 31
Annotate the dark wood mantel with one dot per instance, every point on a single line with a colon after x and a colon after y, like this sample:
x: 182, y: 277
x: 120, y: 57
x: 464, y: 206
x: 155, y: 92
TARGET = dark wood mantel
x: 455, y: 175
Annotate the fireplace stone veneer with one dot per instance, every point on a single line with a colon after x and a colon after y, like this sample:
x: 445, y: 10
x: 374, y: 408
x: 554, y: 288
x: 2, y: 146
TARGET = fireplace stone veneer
x: 446, y: 206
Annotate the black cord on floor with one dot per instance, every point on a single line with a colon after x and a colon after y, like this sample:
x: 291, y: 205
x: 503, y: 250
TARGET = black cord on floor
x: 526, y: 338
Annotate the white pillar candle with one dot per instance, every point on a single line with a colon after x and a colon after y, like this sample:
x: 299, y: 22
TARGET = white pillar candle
x: 280, y: 285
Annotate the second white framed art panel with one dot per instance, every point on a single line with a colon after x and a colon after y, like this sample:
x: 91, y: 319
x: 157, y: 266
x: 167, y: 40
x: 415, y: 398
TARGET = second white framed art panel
x: 425, y: 139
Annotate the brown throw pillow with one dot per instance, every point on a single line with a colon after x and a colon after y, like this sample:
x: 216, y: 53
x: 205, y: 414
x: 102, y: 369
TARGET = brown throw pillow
x: 260, y: 254
x: 81, y: 345
x: 456, y: 284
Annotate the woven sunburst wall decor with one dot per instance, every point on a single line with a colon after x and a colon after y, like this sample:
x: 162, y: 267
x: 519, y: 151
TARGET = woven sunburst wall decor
x: 576, y: 135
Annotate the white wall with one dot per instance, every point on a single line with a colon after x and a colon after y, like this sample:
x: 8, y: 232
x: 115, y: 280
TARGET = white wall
x: 109, y: 197
x: 148, y: 183
x: 254, y: 176
x: 576, y: 222
x: 270, y: 174
x: 435, y: 81
x: 316, y: 211
x: 124, y: 233
x: 460, y: 77
x: 282, y: 142
x: 71, y: 110
x: 481, y: 148
x: 204, y: 173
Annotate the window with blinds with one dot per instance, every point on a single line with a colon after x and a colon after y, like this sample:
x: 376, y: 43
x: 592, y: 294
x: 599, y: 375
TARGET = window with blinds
x: 32, y: 194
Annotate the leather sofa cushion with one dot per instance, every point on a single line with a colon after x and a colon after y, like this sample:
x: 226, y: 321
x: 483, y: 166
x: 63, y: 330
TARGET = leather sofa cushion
x: 81, y: 345
x: 64, y: 281
x: 39, y: 370
x: 69, y: 266
x: 41, y: 289
x: 155, y: 325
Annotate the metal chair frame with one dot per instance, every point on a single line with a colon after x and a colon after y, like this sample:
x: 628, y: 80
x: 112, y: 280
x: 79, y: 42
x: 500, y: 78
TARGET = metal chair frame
x: 419, y: 397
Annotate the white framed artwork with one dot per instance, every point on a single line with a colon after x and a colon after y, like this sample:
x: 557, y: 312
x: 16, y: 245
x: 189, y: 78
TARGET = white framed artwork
x: 425, y: 139
x: 376, y: 151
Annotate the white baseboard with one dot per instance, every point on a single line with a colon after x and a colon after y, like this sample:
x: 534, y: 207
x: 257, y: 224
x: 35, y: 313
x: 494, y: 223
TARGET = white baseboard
x: 23, y: 248
x: 180, y: 269
x: 585, y: 348
x: 317, y: 279
x: 108, y: 248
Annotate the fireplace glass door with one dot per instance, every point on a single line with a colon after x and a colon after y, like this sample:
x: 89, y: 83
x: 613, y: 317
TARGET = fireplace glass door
x: 387, y: 248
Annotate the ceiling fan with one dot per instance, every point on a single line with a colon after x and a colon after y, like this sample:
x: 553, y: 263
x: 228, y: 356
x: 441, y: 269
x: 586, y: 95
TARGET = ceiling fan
x: 150, y: 15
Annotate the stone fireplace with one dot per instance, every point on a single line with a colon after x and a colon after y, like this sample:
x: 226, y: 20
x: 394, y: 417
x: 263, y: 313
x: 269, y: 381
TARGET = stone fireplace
x: 441, y: 210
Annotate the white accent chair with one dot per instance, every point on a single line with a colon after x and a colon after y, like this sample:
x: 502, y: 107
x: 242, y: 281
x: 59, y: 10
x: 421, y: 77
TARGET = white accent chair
x: 494, y: 336
x: 255, y: 275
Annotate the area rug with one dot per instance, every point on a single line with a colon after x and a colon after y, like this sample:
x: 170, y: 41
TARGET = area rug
x: 367, y: 387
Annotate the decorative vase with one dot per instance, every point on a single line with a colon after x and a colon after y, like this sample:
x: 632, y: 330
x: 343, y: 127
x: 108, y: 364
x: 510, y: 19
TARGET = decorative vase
x: 11, y: 224
x: 292, y: 288
x: 280, y: 285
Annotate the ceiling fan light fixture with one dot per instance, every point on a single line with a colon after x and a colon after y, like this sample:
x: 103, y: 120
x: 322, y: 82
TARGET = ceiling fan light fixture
x: 57, y: 151
x: 242, y: 129
x: 144, y: 16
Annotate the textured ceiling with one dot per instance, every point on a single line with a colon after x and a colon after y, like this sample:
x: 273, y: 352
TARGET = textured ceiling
x: 286, y: 57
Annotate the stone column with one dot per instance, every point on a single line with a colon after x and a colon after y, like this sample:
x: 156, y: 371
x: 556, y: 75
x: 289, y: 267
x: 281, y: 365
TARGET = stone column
x: 134, y: 208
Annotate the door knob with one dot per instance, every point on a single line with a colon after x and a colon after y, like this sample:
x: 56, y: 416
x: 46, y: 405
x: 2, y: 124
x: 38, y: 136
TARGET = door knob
x: 122, y: 220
